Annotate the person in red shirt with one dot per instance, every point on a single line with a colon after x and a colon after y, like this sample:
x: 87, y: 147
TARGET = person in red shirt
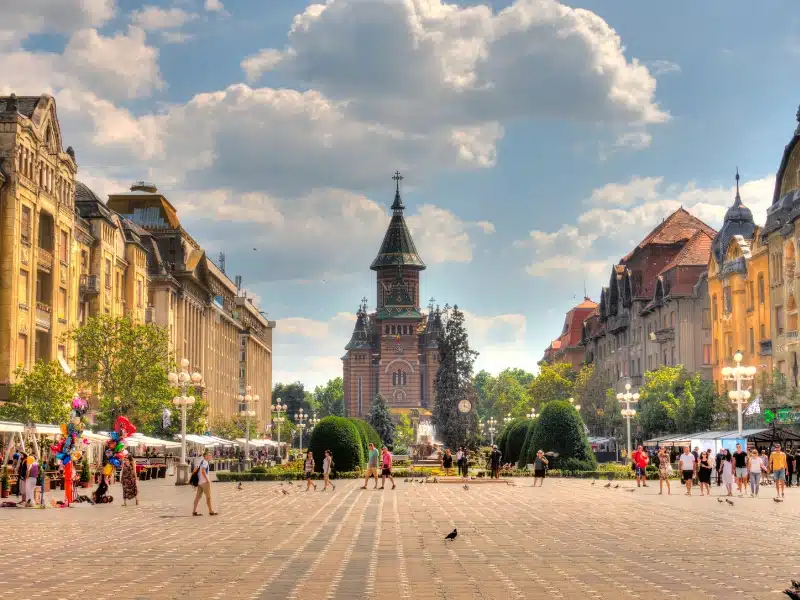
x: 640, y: 460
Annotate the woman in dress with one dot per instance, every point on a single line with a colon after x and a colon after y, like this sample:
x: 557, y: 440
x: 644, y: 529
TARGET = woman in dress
x: 726, y: 468
x: 704, y: 474
x: 130, y: 485
x: 663, y: 471
x: 447, y: 461
x: 327, y: 466
x: 308, y: 468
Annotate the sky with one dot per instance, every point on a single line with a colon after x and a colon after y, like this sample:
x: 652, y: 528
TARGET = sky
x: 538, y: 141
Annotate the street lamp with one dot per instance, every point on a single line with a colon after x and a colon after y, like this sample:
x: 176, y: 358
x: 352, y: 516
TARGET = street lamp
x: 182, y: 379
x: 572, y: 401
x: 277, y: 411
x: 533, y: 414
x: 492, y: 423
x: 300, y: 418
x: 246, y: 412
x: 508, y: 418
x: 312, y: 422
x: 738, y: 374
x: 628, y: 413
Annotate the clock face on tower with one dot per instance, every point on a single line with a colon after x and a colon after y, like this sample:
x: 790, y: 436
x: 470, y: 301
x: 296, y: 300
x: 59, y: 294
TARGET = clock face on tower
x: 465, y: 406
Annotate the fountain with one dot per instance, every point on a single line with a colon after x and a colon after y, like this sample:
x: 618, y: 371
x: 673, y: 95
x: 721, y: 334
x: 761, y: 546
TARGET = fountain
x: 426, y: 451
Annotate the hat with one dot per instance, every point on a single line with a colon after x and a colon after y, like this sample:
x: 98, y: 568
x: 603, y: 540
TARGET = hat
x: 494, y: 446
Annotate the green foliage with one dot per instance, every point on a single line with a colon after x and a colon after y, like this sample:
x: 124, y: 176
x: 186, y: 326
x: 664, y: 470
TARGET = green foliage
x: 126, y: 363
x: 559, y: 429
x: 554, y: 382
x: 509, y: 394
x: 366, y: 434
x: 515, y: 439
x: 85, y: 473
x: 329, y: 399
x: 403, y: 435
x: 292, y: 395
x: 381, y: 420
x: 454, y: 383
x: 148, y: 415
x: 529, y: 437
x: 590, y: 394
x: 342, y: 438
x: 230, y: 428
x: 41, y: 396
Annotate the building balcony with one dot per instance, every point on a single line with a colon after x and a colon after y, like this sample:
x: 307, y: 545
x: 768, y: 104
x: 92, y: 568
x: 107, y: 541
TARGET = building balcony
x: 150, y: 314
x: 44, y: 316
x: 44, y: 260
x: 89, y: 285
x: 667, y: 334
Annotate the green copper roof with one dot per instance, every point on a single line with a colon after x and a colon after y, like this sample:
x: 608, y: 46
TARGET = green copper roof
x: 360, y: 338
x: 397, y: 248
x: 398, y: 312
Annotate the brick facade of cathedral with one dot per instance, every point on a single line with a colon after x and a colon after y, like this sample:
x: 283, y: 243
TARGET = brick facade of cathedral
x: 393, y: 351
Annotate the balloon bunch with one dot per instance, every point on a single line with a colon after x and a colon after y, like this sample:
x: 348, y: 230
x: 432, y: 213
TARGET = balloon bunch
x: 115, y: 446
x: 67, y: 448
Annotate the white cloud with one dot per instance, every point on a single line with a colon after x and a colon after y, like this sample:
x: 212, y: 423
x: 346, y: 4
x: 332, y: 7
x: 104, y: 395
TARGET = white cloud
x: 151, y: 18
x: 18, y: 20
x: 214, y: 6
x: 176, y: 37
x: 663, y: 67
x: 423, y: 61
x: 624, y: 214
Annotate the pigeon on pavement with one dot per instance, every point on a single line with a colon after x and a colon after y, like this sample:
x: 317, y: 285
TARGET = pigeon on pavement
x: 729, y: 501
x: 452, y: 535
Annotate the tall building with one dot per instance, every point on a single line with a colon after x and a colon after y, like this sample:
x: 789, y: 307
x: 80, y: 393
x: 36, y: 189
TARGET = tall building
x: 210, y: 321
x: 41, y: 243
x: 781, y: 239
x: 739, y: 293
x: 394, y: 350
x: 654, y: 311
x: 567, y: 347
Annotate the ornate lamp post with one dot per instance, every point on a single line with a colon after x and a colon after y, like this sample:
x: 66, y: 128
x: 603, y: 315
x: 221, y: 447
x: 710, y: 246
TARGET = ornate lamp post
x: 246, y: 412
x: 739, y: 374
x: 182, y: 379
x: 628, y: 413
x: 492, y: 423
x: 533, y: 414
x: 277, y: 411
x: 508, y: 418
x: 576, y: 406
x: 312, y: 422
x: 300, y: 418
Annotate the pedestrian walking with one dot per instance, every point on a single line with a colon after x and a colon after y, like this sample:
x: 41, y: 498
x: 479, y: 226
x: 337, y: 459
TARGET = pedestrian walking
x: 754, y: 469
x: 203, y: 485
x: 686, y: 463
x: 22, y: 475
x: 464, y: 463
x: 30, y: 480
x: 717, y: 463
x: 777, y: 466
x: 640, y: 460
x: 664, y: 471
x: 130, y: 484
x: 459, y: 460
x: 372, y: 467
x: 447, y: 462
x: 740, y: 465
x: 327, y: 467
x: 726, y: 469
x: 704, y: 474
x: 797, y: 465
x: 790, y: 466
x: 539, y: 468
x: 308, y: 470
x: 386, y: 467
x: 494, y: 461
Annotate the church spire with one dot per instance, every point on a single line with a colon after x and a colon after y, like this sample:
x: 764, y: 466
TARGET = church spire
x: 398, y: 248
x: 397, y: 205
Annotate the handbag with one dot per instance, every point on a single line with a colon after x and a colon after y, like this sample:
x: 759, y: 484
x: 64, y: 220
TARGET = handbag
x: 194, y: 480
x: 670, y: 470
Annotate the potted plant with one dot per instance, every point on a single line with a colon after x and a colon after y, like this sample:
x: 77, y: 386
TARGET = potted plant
x: 5, y: 485
x: 86, y: 475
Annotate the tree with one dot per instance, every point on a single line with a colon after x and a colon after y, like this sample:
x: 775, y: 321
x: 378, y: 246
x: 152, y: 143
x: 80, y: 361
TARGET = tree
x: 454, y: 382
x: 590, y: 394
x: 41, y: 396
x: 559, y: 429
x: 481, y: 381
x: 554, y: 382
x: 231, y: 428
x: 509, y: 394
x: 292, y: 395
x: 329, y: 399
x: 126, y: 362
x: 148, y: 415
x: 403, y: 435
x: 381, y: 419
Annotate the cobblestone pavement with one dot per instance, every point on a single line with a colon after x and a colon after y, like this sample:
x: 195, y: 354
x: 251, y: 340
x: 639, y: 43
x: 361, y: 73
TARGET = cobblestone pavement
x: 568, y: 539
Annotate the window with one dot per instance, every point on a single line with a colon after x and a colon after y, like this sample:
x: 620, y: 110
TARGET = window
x: 779, y: 319
x: 24, y: 287
x: 64, y: 247
x: 762, y: 332
x: 716, y: 352
x: 108, y: 273
x: 672, y: 319
x: 84, y: 262
x: 638, y: 366
x: 761, y: 288
x: 707, y: 354
x: 751, y: 295
x: 752, y: 341
x: 706, y: 318
x: 360, y: 396
x: 62, y: 304
x: 714, y: 312
x: 726, y: 300
x: 22, y: 350
x: 672, y: 361
x: 25, y: 224
x: 139, y: 293
x: 665, y: 321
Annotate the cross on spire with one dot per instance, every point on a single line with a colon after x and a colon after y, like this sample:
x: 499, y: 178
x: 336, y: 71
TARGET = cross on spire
x: 737, y: 185
x: 397, y: 178
x: 397, y: 206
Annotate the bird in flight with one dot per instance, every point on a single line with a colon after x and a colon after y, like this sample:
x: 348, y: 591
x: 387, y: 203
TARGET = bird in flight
x: 452, y: 535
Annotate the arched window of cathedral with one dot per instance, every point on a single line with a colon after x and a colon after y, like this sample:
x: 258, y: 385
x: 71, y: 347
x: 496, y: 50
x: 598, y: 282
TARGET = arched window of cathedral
x: 394, y: 378
x: 405, y: 378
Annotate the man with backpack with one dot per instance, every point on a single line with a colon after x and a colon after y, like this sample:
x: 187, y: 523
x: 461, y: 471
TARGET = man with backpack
x: 201, y: 481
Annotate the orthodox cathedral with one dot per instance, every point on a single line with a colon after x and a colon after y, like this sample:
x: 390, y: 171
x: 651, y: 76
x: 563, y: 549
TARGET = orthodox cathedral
x: 394, y: 350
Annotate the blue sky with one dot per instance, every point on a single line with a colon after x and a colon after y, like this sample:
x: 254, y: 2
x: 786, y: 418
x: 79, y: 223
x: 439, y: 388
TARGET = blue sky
x: 532, y: 159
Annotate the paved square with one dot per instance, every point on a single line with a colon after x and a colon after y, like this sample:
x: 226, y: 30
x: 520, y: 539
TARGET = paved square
x: 569, y: 539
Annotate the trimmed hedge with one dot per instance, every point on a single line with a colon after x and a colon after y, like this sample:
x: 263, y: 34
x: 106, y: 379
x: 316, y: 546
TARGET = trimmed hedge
x: 341, y: 436
x: 515, y: 440
x: 367, y: 434
x: 529, y: 434
x: 417, y: 473
x: 559, y: 429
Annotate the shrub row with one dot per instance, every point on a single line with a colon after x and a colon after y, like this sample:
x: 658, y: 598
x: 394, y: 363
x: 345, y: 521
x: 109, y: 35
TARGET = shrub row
x: 299, y: 476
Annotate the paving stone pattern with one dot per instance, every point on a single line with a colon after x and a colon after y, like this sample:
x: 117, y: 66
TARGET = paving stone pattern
x: 568, y: 539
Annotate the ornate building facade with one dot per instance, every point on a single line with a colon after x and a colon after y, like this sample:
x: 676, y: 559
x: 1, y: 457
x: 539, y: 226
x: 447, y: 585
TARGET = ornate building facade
x: 739, y: 293
x: 567, y: 347
x: 394, y: 350
x: 654, y: 311
x: 780, y: 231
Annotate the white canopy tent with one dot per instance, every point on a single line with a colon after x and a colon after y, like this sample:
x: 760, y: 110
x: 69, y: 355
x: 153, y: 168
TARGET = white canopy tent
x: 138, y: 439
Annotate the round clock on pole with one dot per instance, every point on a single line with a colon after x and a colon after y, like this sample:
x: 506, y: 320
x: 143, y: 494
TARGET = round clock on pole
x: 465, y: 406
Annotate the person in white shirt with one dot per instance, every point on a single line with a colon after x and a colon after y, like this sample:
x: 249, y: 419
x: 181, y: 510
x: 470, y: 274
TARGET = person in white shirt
x: 686, y: 464
x: 327, y: 465
x: 203, y: 485
x: 754, y: 468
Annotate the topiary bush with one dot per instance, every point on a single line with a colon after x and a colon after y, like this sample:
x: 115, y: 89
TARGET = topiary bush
x: 501, y: 440
x: 341, y: 436
x: 517, y: 430
x: 529, y: 433
x: 559, y: 429
x: 367, y: 434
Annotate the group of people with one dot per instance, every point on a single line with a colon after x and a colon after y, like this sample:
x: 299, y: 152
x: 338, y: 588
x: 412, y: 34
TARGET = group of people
x: 461, y: 460
x: 745, y: 468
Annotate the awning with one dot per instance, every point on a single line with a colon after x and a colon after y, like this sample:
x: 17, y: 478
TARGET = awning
x: 47, y: 429
x: 201, y: 440
x: 219, y: 440
x: 138, y: 439
x: 38, y: 428
x: 63, y: 362
x: 10, y: 427
x: 258, y: 443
